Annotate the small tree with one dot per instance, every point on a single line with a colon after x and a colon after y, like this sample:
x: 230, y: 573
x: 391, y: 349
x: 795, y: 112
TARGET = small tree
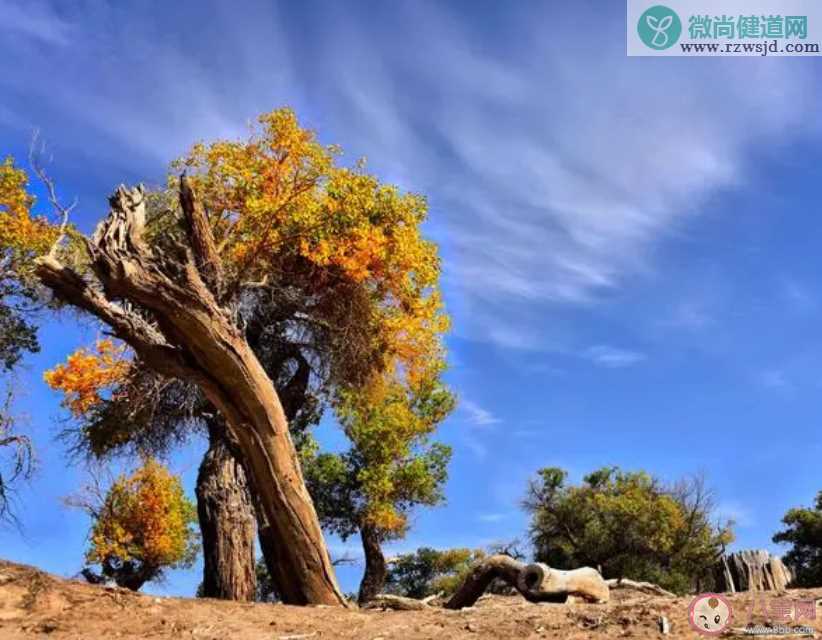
x: 429, y: 571
x: 391, y: 467
x: 628, y: 525
x: 141, y: 526
x: 804, y: 532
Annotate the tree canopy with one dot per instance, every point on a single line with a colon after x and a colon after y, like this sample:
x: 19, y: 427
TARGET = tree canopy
x: 628, y: 524
x: 803, y: 531
x: 341, y: 250
x: 391, y: 466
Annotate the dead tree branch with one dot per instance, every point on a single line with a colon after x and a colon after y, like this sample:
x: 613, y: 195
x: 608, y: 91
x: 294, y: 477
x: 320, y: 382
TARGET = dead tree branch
x: 36, y: 153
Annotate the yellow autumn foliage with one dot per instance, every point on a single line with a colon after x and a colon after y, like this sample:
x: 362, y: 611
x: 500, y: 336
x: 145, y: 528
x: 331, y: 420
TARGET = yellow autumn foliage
x: 146, y: 518
x: 279, y: 201
x: 23, y: 235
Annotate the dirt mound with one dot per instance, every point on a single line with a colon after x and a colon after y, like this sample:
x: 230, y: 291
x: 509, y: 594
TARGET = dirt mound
x: 33, y: 604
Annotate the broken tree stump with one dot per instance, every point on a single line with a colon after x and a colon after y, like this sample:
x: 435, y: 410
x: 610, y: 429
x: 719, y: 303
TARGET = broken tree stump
x: 535, y: 582
x: 751, y: 570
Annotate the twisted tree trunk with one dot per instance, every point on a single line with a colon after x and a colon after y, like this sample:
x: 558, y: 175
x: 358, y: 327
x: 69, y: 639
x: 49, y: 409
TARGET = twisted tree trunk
x: 376, y: 569
x: 226, y: 522
x: 292, y: 397
x: 194, y: 338
x: 535, y: 582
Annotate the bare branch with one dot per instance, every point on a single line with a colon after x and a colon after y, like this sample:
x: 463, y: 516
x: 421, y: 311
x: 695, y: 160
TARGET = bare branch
x: 21, y: 463
x: 147, y: 341
x: 36, y: 153
x: 345, y: 559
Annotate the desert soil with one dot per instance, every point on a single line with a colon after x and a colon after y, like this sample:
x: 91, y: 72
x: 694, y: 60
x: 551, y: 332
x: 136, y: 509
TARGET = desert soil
x: 36, y: 604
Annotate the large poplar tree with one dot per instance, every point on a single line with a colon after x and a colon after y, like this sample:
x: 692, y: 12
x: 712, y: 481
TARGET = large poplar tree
x: 276, y: 213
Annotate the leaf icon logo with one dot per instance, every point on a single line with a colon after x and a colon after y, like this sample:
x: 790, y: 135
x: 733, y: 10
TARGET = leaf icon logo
x: 659, y: 27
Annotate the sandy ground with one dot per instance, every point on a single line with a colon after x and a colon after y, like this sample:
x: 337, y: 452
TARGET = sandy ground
x: 36, y: 604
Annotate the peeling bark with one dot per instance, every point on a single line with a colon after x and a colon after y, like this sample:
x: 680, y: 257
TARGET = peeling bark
x: 194, y: 338
x: 227, y: 522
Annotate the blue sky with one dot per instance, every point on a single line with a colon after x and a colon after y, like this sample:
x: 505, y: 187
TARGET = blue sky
x: 631, y: 246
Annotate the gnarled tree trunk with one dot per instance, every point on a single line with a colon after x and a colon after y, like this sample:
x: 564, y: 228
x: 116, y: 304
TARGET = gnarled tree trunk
x: 193, y: 337
x: 535, y: 582
x: 376, y: 568
x: 292, y: 397
x: 227, y: 521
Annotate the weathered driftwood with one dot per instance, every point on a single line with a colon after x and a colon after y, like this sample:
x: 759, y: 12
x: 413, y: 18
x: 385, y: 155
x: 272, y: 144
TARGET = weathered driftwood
x: 644, y: 587
x: 535, y: 582
x: 400, y: 603
x: 481, y: 575
x: 546, y: 584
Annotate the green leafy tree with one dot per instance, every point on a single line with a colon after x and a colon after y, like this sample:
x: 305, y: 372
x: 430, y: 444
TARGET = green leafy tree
x: 627, y: 524
x: 430, y: 571
x: 390, y: 468
x: 803, y: 531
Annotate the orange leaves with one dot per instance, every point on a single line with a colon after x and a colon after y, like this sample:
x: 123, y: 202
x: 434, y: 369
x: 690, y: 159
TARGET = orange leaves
x: 22, y: 236
x: 279, y: 201
x: 86, y: 375
x: 147, y: 518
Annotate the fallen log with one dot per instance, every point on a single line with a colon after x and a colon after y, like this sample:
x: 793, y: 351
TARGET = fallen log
x: 399, y: 603
x: 535, y: 582
x: 481, y: 575
x: 644, y: 587
x: 546, y: 584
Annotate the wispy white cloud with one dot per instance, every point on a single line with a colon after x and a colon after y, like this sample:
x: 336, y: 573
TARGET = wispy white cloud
x: 739, y: 513
x: 475, y: 446
x: 692, y: 315
x: 797, y: 295
x: 773, y: 379
x: 542, y: 193
x: 35, y: 20
x: 480, y: 420
x: 491, y: 518
x: 477, y: 415
x: 612, y: 357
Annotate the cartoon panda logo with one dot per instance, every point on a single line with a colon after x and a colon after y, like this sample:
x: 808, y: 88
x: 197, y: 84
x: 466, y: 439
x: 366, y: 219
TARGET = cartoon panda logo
x: 709, y: 614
